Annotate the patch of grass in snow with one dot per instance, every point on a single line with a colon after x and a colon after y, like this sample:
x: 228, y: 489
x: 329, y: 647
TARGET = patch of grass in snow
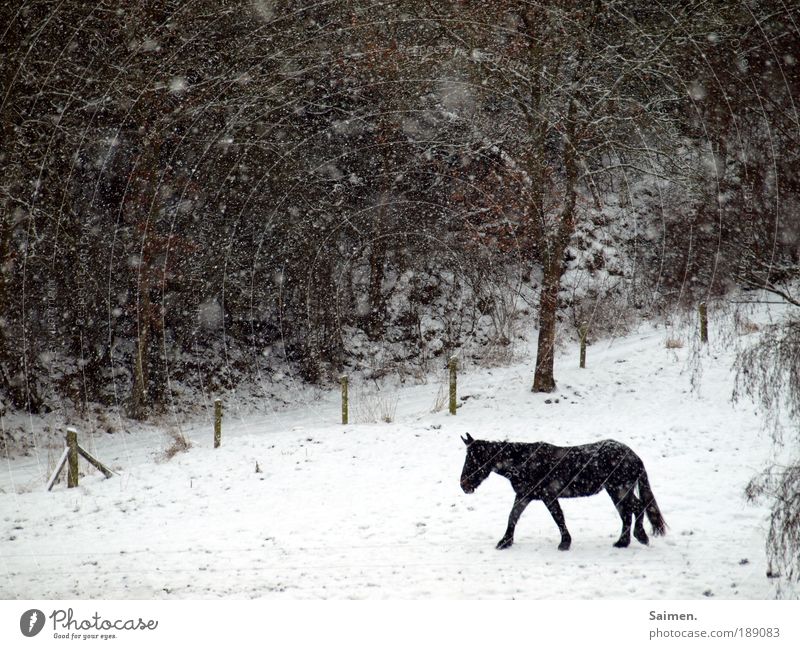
x: 374, y: 407
x: 747, y: 327
x: 442, y: 395
x: 179, y: 444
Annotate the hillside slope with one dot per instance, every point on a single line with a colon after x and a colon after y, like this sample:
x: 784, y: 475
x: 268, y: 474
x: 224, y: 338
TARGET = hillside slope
x: 374, y: 510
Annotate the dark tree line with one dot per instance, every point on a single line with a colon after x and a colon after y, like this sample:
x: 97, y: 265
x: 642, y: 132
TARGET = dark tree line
x: 184, y: 186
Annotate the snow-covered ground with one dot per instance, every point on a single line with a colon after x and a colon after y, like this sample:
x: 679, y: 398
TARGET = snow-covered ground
x: 375, y: 510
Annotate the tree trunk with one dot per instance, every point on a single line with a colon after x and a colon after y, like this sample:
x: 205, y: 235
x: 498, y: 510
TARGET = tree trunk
x: 5, y: 249
x: 145, y: 206
x: 378, y: 245
x: 543, y: 380
x: 139, y: 400
x: 377, y: 263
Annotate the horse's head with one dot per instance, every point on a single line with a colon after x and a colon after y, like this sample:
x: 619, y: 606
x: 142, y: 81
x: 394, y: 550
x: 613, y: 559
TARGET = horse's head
x: 477, y: 466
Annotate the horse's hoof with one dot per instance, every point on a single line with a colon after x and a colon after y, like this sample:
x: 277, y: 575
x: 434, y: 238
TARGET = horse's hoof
x: 504, y: 543
x: 643, y: 539
x: 622, y: 544
x: 564, y: 545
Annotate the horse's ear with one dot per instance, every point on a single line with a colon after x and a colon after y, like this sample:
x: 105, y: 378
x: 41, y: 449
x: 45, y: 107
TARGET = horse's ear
x: 468, y: 439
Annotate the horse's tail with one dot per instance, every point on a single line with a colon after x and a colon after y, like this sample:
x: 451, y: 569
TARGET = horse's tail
x: 650, y: 506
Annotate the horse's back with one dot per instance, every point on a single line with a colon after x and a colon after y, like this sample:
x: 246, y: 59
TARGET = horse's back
x: 607, y: 450
x: 583, y: 470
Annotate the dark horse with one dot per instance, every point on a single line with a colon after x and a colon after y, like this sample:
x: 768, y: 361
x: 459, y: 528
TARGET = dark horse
x: 545, y: 472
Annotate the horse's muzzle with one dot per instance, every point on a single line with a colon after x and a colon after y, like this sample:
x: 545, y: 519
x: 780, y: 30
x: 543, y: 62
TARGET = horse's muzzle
x: 468, y: 489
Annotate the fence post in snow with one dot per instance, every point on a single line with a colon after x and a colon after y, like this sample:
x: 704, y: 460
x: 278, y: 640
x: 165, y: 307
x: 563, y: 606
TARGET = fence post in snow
x: 452, y: 365
x: 703, y: 322
x: 72, y: 458
x: 343, y: 381
x: 584, y: 330
x: 217, y: 422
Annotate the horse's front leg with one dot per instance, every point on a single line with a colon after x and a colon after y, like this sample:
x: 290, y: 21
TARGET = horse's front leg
x: 558, y: 516
x: 520, y: 503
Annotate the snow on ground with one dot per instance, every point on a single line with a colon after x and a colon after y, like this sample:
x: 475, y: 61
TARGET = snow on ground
x: 376, y: 511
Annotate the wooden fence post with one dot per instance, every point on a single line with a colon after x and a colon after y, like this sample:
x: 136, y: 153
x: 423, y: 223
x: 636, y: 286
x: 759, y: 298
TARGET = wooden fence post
x: 343, y: 381
x: 703, y: 322
x: 217, y: 422
x: 584, y: 330
x: 453, y: 365
x: 72, y: 458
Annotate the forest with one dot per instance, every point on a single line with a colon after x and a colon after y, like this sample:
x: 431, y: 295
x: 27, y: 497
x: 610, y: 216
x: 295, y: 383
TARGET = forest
x: 268, y: 182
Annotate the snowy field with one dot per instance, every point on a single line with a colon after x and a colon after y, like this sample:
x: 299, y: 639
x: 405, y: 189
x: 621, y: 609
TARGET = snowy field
x: 376, y: 511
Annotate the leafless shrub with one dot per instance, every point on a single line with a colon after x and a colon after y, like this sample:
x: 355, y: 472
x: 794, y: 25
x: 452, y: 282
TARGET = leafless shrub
x: 504, y: 313
x: 748, y: 327
x: 769, y: 373
x: 781, y: 484
x: 673, y: 343
x: 179, y: 444
x: 501, y: 355
x: 377, y: 406
x: 604, y: 309
x: 105, y: 423
x: 442, y: 396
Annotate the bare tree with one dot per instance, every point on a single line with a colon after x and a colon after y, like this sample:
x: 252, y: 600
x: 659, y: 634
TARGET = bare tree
x: 585, y: 91
x: 769, y: 373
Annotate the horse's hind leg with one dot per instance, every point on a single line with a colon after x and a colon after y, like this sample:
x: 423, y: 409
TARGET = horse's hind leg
x: 558, y: 517
x: 638, y: 521
x: 622, y: 497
